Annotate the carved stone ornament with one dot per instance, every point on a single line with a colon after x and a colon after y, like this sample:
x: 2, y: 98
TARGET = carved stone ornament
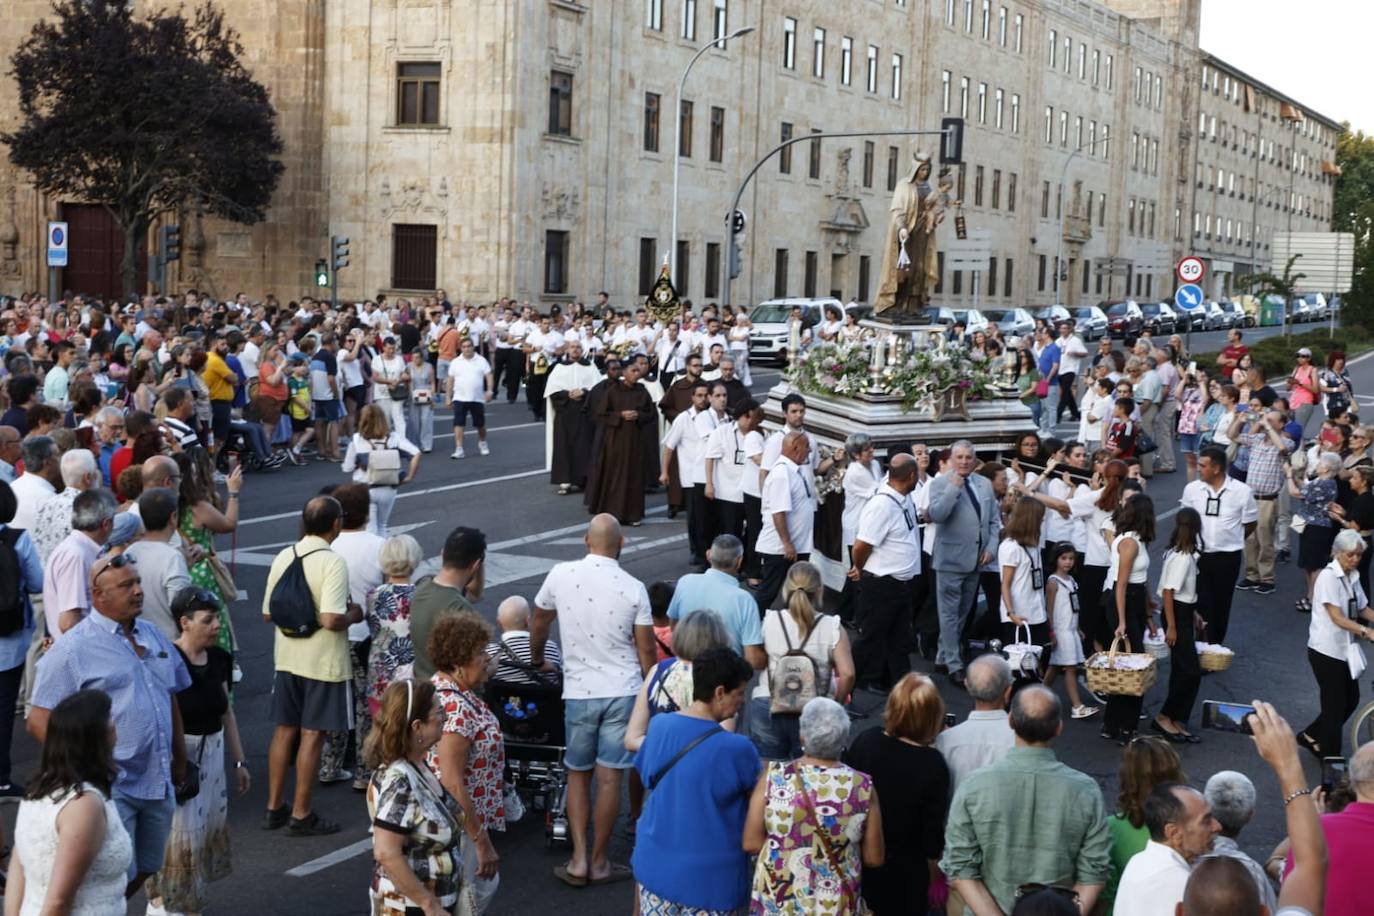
x: 842, y: 171
x: 559, y: 203
x: 413, y: 195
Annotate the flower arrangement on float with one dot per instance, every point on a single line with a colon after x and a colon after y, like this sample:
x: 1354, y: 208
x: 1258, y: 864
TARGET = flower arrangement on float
x: 919, y: 376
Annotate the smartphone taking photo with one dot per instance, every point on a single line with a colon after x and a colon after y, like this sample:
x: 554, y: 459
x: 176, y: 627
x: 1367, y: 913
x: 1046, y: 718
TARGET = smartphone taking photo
x: 1227, y: 717
x: 1333, y: 771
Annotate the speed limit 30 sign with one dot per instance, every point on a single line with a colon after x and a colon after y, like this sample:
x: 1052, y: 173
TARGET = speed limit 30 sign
x: 1191, y: 269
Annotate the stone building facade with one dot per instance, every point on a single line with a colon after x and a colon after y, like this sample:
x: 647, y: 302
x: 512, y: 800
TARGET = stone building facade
x: 525, y: 147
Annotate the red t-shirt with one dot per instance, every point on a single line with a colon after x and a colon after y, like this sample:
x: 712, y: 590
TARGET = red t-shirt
x: 119, y: 462
x: 1233, y: 353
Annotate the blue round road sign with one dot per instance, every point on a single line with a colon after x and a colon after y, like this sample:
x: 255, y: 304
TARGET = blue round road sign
x: 1188, y: 296
x: 57, y: 236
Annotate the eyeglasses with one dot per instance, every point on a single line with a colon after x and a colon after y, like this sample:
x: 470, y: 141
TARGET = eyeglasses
x: 1067, y: 893
x: 118, y: 561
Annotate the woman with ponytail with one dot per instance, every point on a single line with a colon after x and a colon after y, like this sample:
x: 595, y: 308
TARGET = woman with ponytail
x: 797, y: 629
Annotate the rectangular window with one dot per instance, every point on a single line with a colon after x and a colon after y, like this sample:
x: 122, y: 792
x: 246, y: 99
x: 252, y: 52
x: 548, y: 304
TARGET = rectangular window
x: 1002, y: 26
x: 648, y: 259
x: 555, y: 262
x: 996, y: 188
x: 653, y: 15
x: 813, y: 167
x: 684, y: 146
x: 1063, y: 128
x: 963, y: 97
x: 939, y: 272
x: 1068, y: 53
x: 560, y: 103
x: 892, y: 168
x: 968, y: 15
x: 865, y: 269
x: 1011, y: 194
x: 872, y: 68
x: 1092, y: 138
x: 780, y: 274
x: 992, y: 276
x: 1016, y: 112
x: 846, y: 60
x: 1102, y: 209
x: 689, y: 21
x: 417, y: 94
x: 1159, y: 91
x: 949, y: 11
x: 960, y: 175
x: 818, y: 54
x: 1020, y: 28
x: 986, y: 30
x: 1154, y: 158
x: 1077, y: 132
x: 1082, y: 61
x: 712, y: 287
x: 717, y: 134
x: 946, y: 78
x: 414, y: 256
x: 1087, y: 269
x: 978, y: 186
x: 1109, y: 71
x: 1097, y: 73
x: 868, y: 164
x: 1044, y: 200
x: 958, y: 286
x: 897, y: 76
x: 1130, y: 216
x: 1044, y: 265
x: 789, y: 43
x: 997, y: 109
x: 684, y: 266
x: 1049, y: 124
x: 1054, y: 48
x: 1059, y: 202
x: 1139, y: 78
x: 1106, y: 141
x: 651, y: 105
x: 809, y: 276
x: 720, y: 26
x: 982, y: 103
x: 1006, y: 278
x: 1151, y: 231
x: 785, y: 156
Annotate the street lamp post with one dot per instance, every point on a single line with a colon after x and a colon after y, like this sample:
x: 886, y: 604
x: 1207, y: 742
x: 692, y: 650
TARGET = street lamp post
x: 677, y: 131
x: 1063, y: 176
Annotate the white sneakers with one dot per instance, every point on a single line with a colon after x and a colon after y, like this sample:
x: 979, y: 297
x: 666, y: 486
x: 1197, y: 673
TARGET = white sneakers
x: 482, y: 447
x: 1083, y: 712
x: 457, y: 452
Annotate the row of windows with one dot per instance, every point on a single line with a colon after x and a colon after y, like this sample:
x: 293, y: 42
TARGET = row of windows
x: 1002, y: 113
x: 1136, y: 218
x: 986, y: 283
x: 1090, y: 142
x: 1083, y: 274
x: 1010, y: 29
x: 1097, y: 68
x: 993, y: 197
x: 1234, y: 91
x: 1149, y: 89
x: 720, y: 17
x: 811, y: 262
x: 818, y: 58
x: 1144, y: 153
x: 1099, y: 198
x: 653, y: 103
x: 1284, y: 157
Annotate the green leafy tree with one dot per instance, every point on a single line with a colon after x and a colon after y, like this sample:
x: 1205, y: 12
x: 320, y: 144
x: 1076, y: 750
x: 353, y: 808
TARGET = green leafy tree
x: 143, y: 116
x: 1265, y: 284
x: 1353, y: 211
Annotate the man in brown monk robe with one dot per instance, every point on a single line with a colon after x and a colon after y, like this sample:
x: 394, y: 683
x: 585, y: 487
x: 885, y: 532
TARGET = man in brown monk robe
x: 616, y: 483
x: 675, y: 400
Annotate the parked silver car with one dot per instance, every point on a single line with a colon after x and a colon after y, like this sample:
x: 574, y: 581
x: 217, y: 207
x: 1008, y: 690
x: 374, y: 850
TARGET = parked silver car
x: 973, y: 319
x: 1012, y: 322
x: 1090, y: 322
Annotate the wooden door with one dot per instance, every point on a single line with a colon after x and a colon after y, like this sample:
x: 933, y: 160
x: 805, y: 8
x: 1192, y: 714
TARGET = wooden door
x: 95, y: 252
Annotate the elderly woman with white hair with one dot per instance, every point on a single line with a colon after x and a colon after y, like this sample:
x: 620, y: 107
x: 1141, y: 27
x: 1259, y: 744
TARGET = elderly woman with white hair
x: 1318, y: 528
x: 1340, y: 612
x: 861, y: 480
x: 1232, y: 797
x: 814, y: 823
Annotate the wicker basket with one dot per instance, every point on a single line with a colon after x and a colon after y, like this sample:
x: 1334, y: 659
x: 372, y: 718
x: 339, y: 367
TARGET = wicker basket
x: 1119, y: 682
x: 1215, y: 661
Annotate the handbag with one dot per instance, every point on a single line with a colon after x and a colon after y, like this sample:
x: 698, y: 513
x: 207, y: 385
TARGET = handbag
x: 1354, y: 657
x: 190, y: 786
x: 1298, y: 523
x: 1042, y: 388
x: 383, y: 466
x: 399, y: 391
x: 1023, y: 656
x: 1145, y: 443
x: 224, y: 579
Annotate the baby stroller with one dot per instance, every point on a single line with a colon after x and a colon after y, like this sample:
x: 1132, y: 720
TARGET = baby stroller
x: 531, y: 717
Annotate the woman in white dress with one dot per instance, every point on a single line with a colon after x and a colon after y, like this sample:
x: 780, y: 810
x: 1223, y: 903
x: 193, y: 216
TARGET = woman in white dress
x: 861, y: 480
x: 71, y: 851
x: 1021, y: 566
x: 1061, y: 596
x: 739, y: 347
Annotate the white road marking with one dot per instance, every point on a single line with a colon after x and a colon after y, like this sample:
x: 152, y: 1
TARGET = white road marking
x: 330, y: 859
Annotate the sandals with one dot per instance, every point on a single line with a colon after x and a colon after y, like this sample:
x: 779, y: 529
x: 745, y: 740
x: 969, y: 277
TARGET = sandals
x: 1303, y: 606
x: 1308, y: 742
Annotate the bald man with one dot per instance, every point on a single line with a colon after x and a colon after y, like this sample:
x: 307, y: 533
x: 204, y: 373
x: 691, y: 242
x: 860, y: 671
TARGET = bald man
x: 512, y: 652
x: 608, y: 633
x: 886, y: 560
x: 789, y: 515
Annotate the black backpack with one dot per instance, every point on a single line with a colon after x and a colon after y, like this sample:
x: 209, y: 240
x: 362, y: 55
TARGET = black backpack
x: 12, y: 595
x: 291, y: 605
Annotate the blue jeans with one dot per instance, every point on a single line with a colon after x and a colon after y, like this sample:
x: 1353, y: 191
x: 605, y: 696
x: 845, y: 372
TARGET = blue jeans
x: 1049, y: 407
x: 776, y: 737
x: 148, y: 822
x: 955, y: 593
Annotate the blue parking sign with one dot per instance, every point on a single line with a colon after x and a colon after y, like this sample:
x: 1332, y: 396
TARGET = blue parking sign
x: 1189, y: 296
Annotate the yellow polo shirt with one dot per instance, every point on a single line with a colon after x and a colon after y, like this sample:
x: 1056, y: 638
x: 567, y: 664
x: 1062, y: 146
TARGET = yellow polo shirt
x: 323, y: 655
x: 219, y: 378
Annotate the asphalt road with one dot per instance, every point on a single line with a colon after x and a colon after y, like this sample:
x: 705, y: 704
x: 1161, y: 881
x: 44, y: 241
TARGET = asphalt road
x: 530, y: 528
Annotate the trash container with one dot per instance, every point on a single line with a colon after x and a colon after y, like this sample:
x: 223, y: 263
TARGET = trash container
x: 1271, y: 311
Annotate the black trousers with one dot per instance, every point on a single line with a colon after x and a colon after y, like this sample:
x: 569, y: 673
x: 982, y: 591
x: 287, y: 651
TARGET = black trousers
x: 882, y: 653
x: 848, y: 609
x: 510, y: 362
x: 9, y: 694
x: 534, y: 393
x: 753, y: 523
x: 1090, y: 611
x: 1067, y: 401
x: 988, y: 624
x: 1185, y: 676
x: 772, y: 574
x: 1123, y: 713
x: 926, y: 616
x: 1339, y: 695
x: 726, y: 518
x: 1216, y: 587
x: 699, y: 520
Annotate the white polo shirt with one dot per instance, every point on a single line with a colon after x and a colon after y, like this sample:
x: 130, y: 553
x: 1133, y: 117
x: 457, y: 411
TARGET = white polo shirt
x: 888, y: 523
x: 685, y: 438
x: 1225, y: 513
x: 792, y: 490
x: 1333, y: 586
x: 726, y: 446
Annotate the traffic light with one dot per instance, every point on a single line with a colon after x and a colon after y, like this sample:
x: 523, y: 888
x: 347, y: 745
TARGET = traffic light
x: 171, y: 243
x: 736, y: 257
x: 338, y: 244
x: 321, y: 272
x: 951, y: 141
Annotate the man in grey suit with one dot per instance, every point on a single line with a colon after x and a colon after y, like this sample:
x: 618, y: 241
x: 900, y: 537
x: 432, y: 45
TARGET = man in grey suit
x: 967, y: 526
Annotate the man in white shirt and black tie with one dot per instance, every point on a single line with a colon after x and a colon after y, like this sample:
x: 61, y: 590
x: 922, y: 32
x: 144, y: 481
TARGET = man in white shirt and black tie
x: 789, y: 516
x: 1229, y: 513
x: 886, y: 559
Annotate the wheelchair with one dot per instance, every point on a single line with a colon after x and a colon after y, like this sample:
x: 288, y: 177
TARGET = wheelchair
x: 531, y: 717
x: 238, y: 446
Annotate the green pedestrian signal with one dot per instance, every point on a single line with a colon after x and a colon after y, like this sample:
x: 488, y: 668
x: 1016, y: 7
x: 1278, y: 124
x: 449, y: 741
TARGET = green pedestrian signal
x: 321, y: 272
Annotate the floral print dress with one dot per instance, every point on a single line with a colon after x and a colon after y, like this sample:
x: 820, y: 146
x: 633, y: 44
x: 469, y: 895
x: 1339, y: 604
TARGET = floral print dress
x: 466, y: 714
x: 392, y: 655
x: 814, y: 820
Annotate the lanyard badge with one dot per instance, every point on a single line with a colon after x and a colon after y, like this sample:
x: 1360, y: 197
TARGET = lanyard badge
x: 1213, y: 507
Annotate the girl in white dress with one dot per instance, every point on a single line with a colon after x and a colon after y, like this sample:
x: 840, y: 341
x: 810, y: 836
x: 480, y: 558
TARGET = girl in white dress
x: 1061, y: 596
x: 69, y: 843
